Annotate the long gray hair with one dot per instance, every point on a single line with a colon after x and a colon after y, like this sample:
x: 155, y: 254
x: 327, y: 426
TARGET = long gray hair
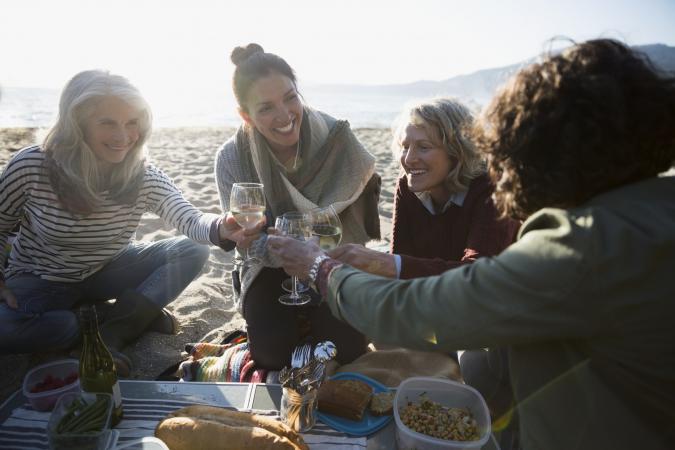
x: 448, y: 124
x: 72, y: 165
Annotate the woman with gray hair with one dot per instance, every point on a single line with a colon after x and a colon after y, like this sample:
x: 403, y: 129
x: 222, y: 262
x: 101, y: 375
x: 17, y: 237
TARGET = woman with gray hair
x: 443, y: 214
x: 77, y: 201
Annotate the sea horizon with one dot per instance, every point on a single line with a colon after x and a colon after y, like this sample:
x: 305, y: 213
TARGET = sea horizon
x: 26, y: 107
x: 364, y: 106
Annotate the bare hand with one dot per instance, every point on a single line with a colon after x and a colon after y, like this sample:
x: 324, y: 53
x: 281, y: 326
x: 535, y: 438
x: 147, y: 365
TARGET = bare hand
x: 365, y: 259
x: 296, y: 257
x: 230, y: 229
x: 8, y: 297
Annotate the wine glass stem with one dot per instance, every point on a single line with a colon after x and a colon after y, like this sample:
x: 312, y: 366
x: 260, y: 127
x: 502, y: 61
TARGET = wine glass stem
x: 294, y: 293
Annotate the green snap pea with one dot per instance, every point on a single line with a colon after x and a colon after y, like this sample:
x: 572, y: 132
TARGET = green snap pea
x: 83, y: 417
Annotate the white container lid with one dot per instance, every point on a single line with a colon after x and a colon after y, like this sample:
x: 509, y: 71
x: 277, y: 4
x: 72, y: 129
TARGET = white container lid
x: 146, y: 443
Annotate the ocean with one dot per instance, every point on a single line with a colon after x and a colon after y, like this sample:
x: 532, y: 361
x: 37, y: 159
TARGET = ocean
x: 37, y: 107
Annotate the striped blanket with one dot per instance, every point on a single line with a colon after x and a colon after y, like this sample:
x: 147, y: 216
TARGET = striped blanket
x: 26, y: 428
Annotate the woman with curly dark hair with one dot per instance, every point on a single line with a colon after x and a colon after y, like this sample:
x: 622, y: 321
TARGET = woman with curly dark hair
x: 593, y: 119
x: 584, y: 298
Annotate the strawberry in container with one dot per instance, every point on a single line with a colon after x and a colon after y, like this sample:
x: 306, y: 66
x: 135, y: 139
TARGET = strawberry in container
x: 44, y: 384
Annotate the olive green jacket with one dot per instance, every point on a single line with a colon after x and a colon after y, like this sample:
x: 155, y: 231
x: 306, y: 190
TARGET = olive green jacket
x: 585, y: 302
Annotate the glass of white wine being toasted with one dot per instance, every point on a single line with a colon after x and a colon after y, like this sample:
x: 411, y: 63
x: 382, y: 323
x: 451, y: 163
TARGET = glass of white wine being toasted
x: 247, y: 206
x: 327, y: 227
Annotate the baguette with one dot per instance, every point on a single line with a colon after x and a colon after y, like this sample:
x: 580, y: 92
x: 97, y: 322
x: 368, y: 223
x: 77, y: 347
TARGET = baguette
x: 200, y: 427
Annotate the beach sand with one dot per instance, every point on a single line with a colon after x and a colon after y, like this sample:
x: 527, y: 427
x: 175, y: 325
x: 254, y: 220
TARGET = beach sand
x: 206, y: 308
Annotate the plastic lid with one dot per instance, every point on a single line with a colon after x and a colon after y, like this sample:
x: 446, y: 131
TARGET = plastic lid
x: 146, y: 443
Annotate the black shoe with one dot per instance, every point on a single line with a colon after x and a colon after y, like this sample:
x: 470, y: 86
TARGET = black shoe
x: 165, y: 323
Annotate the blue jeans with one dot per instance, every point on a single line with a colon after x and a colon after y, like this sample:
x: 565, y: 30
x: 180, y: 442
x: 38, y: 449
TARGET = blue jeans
x: 44, y: 319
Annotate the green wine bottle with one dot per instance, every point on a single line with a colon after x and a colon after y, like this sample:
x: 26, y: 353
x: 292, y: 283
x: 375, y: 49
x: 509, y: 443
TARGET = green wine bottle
x: 97, y: 369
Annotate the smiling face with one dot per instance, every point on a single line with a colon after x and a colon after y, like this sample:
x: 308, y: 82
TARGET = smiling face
x: 275, y: 110
x: 112, y: 130
x: 425, y: 163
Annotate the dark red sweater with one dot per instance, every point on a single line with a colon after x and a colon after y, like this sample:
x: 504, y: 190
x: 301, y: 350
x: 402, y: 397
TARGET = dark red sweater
x: 431, y: 244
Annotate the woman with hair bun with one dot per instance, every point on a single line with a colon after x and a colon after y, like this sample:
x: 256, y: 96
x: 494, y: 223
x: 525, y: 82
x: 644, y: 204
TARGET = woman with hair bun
x: 305, y: 159
x: 77, y: 201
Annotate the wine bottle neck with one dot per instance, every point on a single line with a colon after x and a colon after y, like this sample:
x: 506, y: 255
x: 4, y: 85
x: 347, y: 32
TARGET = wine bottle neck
x: 88, y: 321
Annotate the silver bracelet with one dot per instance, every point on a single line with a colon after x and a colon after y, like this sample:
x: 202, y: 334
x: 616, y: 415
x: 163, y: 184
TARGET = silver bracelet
x: 314, y: 269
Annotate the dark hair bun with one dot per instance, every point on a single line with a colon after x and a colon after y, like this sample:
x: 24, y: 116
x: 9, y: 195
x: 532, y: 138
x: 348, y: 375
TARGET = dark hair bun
x: 241, y: 54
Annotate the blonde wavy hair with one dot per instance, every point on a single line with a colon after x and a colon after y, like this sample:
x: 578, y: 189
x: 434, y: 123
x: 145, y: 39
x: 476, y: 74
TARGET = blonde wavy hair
x: 72, y: 165
x: 448, y: 124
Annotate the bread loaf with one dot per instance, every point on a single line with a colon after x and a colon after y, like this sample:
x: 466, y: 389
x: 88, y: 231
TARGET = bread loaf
x: 344, y: 398
x: 210, y: 428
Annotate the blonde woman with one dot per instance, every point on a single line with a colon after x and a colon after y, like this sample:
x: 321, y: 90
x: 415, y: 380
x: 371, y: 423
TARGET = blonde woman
x: 77, y: 201
x: 443, y: 218
x: 443, y: 212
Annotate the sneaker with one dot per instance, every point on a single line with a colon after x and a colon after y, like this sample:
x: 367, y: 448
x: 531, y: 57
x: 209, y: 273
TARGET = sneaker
x: 165, y: 323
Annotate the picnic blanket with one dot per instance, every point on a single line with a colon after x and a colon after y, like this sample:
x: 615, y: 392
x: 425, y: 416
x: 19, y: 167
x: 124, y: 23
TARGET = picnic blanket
x: 26, y: 428
x: 214, y: 362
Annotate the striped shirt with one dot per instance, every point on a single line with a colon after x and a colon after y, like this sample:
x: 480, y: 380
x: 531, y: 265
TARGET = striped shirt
x: 57, y: 245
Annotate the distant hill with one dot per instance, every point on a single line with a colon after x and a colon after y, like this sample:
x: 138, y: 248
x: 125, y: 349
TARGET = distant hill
x: 480, y: 86
x: 363, y: 106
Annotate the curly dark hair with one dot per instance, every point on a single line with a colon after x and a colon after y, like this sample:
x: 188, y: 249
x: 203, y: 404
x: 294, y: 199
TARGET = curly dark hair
x: 594, y: 117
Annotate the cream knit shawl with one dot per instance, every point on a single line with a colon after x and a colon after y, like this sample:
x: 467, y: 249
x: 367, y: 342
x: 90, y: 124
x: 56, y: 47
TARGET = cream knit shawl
x: 333, y: 168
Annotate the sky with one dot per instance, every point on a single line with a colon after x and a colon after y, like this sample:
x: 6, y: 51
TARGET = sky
x: 183, y: 46
x: 43, y: 43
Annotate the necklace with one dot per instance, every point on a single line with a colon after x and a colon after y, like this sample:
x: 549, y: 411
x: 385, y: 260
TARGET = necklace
x: 297, y: 152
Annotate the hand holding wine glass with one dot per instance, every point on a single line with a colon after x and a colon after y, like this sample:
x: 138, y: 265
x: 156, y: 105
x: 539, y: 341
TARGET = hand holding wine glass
x: 366, y: 259
x: 247, y: 206
x: 288, y: 284
x: 296, y: 225
x: 296, y: 257
x: 229, y: 229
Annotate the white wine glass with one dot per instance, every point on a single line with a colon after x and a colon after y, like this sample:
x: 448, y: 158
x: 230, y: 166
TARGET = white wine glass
x: 326, y: 225
x: 287, y: 284
x: 299, y: 226
x: 247, y: 205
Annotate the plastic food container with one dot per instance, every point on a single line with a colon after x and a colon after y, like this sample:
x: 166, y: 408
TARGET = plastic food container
x: 79, y: 441
x: 45, y: 400
x: 447, y: 393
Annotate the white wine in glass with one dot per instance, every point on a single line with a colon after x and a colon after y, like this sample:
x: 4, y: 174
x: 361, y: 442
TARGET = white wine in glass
x: 327, y: 227
x: 248, y: 216
x: 247, y: 206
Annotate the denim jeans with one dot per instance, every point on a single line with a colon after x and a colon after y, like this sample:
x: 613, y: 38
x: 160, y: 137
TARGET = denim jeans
x: 45, y: 320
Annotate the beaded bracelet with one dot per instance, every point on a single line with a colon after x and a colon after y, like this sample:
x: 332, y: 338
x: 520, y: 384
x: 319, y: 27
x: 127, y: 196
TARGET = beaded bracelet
x: 314, y: 269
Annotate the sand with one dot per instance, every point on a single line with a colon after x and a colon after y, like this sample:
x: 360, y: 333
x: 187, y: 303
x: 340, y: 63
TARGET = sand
x: 206, y: 308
